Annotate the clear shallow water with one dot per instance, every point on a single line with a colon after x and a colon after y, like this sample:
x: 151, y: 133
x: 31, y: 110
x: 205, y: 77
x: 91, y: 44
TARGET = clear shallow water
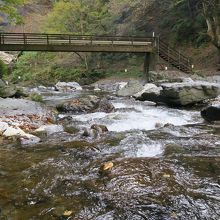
x: 171, y: 172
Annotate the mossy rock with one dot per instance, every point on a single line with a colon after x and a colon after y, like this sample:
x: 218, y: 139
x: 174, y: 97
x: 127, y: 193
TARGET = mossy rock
x: 7, y: 91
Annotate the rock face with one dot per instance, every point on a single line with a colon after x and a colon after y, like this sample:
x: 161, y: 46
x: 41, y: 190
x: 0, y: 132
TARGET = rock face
x: 6, y: 90
x: 86, y: 105
x: 68, y: 86
x: 131, y: 88
x: 211, y: 113
x: 187, y: 93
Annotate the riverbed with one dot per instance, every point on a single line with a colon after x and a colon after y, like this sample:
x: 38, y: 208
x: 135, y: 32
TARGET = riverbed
x: 166, y: 165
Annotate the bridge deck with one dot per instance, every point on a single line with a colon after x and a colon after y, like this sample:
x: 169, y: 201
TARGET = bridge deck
x: 73, y: 43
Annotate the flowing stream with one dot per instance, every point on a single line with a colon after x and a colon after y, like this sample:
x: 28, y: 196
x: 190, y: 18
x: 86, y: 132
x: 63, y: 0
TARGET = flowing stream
x: 166, y: 166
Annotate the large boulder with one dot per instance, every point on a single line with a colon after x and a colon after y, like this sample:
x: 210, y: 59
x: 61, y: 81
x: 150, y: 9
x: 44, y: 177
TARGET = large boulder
x: 68, y: 86
x: 211, y: 113
x: 187, y: 93
x: 150, y: 90
x: 131, y: 88
x: 86, y: 105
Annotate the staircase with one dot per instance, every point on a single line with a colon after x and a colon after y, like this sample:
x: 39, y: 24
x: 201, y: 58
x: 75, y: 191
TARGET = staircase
x: 173, y: 57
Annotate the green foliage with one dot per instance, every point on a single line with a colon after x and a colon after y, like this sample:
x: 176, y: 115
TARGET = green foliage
x: 187, y: 24
x: 9, y: 7
x: 3, y: 69
x: 79, y: 17
x: 48, y: 68
x: 36, y: 97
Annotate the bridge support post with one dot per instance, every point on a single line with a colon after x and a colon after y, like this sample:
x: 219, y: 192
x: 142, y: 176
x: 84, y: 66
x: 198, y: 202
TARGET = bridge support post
x: 147, y: 58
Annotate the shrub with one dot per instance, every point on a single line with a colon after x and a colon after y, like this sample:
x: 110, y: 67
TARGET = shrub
x: 3, y: 69
x: 36, y: 97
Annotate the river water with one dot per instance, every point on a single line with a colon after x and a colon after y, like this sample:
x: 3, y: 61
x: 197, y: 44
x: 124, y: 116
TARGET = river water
x: 166, y: 166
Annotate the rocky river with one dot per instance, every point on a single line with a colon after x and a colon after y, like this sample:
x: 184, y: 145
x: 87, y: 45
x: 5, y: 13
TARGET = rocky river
x: 160, y: 163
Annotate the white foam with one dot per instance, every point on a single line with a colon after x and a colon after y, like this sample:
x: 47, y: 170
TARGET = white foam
x: 144, y: 118
x: 149, y: 150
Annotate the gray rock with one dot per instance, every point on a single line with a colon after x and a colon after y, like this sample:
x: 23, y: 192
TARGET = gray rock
x: 131, y: 88
x: 16, y: 107
x: 30, y: 139
x: 9, y: 131
x: 149, y: 89
x: 86, y: 105
x: 92, y: 133
x: 187, y: 93
x: 215, y: 78
x: 99, y: 128
x: 7, y: 91
x: 49, y: 129
x: 68, y: 86
x: 104, y: 105
x: 80, y: 105
x: 211, y: 113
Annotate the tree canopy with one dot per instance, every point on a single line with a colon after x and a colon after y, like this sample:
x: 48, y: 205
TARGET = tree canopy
x: 79, y: 17
x: 9, y: 7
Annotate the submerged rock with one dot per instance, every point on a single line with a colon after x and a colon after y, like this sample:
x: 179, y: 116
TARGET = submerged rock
x: 95, y: 131
x: 92, y: 133
x: 211, y: 113
x: 131, y: 88
x: 105, y: 168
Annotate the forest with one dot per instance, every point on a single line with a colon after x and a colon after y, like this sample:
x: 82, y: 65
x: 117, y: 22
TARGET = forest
x: 190, y: 25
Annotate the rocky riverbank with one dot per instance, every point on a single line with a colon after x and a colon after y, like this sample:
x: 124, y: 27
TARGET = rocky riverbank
x: 29, y: 120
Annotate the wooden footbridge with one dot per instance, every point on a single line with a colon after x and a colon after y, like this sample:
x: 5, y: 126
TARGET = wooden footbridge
x: 88, y: 43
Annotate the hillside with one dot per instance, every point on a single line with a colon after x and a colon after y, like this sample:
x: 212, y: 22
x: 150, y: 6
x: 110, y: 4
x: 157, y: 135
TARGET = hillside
x: 139, y: 18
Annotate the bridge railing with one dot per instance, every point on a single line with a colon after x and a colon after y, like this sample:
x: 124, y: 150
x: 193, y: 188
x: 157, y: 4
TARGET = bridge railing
x: 56, y: 39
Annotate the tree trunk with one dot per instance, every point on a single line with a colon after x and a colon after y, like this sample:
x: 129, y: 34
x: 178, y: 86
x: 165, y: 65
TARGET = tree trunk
x: 212, y: 16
